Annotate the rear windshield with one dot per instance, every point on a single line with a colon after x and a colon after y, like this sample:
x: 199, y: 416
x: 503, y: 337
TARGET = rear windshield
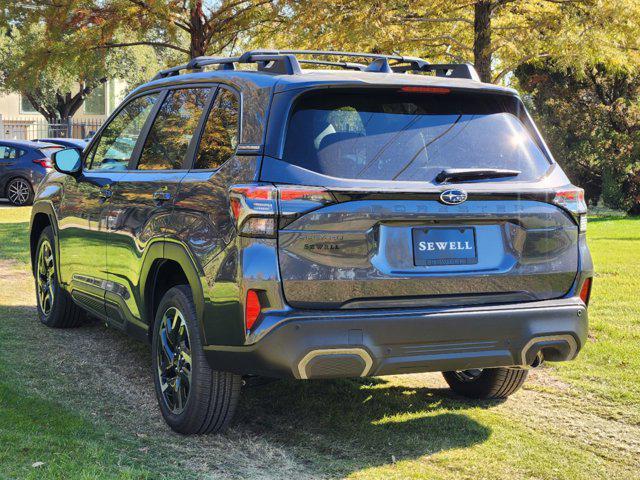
x: 393, y: 135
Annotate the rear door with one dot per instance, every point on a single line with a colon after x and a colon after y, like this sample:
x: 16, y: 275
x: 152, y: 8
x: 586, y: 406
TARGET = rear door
x: 140, y: 209
x: 395, y: 236
x: 201, y: 208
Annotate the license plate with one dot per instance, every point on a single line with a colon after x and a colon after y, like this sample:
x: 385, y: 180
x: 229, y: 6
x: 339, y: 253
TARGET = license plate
x: 444, y: 246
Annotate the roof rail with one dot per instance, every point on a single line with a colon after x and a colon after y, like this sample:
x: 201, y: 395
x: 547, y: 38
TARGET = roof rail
x: 335, y: 53
x: 453, y: 70
x: 267, y: 61
x: 286, y: 62
x: 345, y: 65
x: 403, y: 64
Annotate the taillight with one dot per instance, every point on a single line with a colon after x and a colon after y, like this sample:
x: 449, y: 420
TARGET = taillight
x: 259, y: 209
x: 296, y: 200
x: 307, y: 194
x: 254, y: 208
x: 585, y: 291
x: 573, y: 200
x: 252, y: 309
x: 43, y: 162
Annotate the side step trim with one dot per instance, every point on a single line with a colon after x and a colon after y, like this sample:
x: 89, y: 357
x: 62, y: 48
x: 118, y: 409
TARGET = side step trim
x: 360, y: 352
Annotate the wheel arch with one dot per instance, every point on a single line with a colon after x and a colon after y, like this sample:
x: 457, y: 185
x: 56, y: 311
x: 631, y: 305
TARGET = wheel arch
x: 41, y: 218
x: 168, y: 264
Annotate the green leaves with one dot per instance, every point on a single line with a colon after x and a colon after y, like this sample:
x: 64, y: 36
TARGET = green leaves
x: 51, y: 53
x: 591, y: 119
x: 575, y: 33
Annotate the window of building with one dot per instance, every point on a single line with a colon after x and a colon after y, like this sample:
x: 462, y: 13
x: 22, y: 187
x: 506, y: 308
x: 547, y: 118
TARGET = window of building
x: 26, y: 106
x: 95, y: 103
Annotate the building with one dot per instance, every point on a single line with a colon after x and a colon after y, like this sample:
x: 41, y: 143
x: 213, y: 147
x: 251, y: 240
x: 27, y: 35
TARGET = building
x: 19, y: 120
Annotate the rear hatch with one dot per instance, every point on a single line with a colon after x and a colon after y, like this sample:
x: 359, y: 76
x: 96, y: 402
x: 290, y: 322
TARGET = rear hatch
x: 419, y: 197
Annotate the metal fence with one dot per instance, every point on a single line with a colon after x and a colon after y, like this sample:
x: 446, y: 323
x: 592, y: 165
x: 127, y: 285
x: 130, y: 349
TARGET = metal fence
x: 31, y: 129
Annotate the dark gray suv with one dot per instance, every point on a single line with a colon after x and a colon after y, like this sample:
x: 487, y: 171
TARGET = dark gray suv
x: 364, y: 218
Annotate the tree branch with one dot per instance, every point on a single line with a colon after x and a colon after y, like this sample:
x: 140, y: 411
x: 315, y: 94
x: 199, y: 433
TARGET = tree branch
x: 148, y: 43
x: 515, y: 65
x: 434, y: 20
x: 449, y: 40
x: 212, y: 27
x: 41, y: 108
x: 218, y: 13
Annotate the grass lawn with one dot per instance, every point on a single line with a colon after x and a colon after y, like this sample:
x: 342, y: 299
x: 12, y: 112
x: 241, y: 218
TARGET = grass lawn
x: 610, y: 366
x: 80, y: 403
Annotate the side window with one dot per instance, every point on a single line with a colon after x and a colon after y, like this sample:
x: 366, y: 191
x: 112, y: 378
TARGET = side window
x: 220, y: 135
x: 166, y: 145
x: 118, y: 140
x: 9, y: 153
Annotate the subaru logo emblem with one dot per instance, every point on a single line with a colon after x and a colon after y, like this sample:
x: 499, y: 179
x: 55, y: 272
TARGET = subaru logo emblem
x: 453, y: 196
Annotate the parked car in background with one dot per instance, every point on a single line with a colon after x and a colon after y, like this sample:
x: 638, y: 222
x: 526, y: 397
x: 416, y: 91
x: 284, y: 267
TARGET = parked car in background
x: 65, y: 142
x: 23, y: 164
x: 313, y: 224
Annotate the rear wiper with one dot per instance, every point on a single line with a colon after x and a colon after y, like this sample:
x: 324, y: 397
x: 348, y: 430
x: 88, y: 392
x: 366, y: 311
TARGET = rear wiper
x: 464, y: 174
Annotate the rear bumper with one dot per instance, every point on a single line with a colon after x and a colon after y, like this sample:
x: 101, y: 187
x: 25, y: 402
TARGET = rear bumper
x: 383, y: 342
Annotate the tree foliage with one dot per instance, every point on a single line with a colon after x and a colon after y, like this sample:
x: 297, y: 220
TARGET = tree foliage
x: 50, y: 88
x: 57, y: 53
x: 495, y: 35
x: 188, y: 27
x: 52, y: 66
x: 592, y: 122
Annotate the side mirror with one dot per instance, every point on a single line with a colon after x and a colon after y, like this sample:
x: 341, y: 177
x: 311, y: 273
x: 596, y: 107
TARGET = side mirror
x: 67, y: 161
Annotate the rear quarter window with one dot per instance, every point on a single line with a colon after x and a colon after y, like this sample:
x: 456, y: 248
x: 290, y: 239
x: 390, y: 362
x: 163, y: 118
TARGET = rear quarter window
x: 220, y: 135
x: 392, y: 135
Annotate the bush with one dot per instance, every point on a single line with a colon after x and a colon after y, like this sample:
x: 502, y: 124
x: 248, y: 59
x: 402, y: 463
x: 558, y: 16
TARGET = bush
x: 591, y: 121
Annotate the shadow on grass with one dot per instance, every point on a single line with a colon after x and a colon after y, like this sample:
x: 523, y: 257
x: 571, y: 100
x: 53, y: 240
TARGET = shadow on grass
x: 616, y: 239
x: 334, y: 427
x: 349, y: 425
x: 608, y: 218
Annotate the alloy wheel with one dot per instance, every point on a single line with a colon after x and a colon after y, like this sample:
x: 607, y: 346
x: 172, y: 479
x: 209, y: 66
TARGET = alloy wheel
x: 174, y: 360
x: 45, y: 278
x: 19, y: 192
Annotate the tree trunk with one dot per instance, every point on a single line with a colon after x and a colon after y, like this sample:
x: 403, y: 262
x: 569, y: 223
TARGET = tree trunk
x: 482, y: 39
x: 198, y: 46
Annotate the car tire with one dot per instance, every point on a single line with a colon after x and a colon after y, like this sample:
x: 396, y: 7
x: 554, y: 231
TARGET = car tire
x: 19, y: 192
x: 178, y: 360
x: 55, y: 307
x: 490, y: 383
